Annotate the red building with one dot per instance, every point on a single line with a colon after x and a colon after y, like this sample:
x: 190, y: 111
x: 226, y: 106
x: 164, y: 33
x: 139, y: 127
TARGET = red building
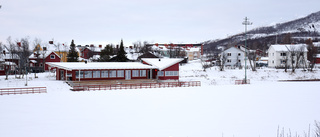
x: 78, y: 71
x: 167, y: 69
x: 39, y: 60
x: 88, y: 52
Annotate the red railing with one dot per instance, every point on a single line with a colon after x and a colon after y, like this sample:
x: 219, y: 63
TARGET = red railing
x: 136, y: 86
x: 239, y: 82
x: 30, y: 90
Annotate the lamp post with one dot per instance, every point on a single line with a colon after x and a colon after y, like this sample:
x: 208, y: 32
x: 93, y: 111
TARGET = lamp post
x: 246, y: 23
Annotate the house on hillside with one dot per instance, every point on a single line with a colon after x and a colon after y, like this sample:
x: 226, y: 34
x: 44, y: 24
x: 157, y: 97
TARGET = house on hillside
x: 280, y: 55
x: 234, y: 57
x: 37, y: 60
x: 79, y: 71
x: 191, y: 51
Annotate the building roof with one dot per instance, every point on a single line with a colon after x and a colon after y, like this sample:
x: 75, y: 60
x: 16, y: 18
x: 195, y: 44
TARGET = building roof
x: 287, y: 47
x: 45, y: 53
x: 99, y: 65
x: 161, y: 64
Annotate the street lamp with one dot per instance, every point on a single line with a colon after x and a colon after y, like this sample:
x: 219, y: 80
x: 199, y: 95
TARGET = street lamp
x: 246, y: 23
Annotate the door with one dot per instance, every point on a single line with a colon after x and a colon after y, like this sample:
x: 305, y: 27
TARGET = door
x: 128, y: 74
x: 61, y: 75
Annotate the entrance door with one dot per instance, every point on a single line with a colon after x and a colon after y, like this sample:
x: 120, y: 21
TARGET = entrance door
x: 128, y: 74
x: 61, y: 75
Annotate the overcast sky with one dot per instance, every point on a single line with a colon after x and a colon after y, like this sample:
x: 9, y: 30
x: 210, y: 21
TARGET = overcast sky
x: 157, y: 21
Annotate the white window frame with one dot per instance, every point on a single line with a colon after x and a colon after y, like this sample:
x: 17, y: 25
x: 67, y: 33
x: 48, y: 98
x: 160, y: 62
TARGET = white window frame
x: 160, y: 73
x: 96, y: 74
x: 143, y: 73
x: 229, y: 54
x: 112, y: 73
x: 171, y: 73
x: 87, y: 74
x: 52, y: 57
x: 135, y: 73
x: 120, y: 73
x: 104, y: 74
x: 77, y: 74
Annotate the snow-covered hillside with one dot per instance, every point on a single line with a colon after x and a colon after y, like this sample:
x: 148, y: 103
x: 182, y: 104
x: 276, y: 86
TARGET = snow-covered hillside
x: 217, y: 108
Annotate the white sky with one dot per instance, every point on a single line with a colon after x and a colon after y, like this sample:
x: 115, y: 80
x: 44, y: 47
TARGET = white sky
x: 158, y: 21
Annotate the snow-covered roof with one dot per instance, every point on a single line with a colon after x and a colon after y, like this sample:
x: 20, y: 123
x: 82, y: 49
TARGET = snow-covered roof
x: 194, y: 49
x: 99, y: 65
x: 161, y: 64
x: 10, y: 63
x: 289, y: 47
x: 316, y: 44
x: 45, y: 53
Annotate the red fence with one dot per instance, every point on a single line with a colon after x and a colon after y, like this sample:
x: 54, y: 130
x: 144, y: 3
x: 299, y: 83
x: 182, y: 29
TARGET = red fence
x: 239, y: 82
x: 30, y: 90
x: 136, y: 86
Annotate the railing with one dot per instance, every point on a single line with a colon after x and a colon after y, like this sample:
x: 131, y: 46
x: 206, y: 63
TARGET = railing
x: 136, y: 86
x: 239, y: 82
x: 30, y: 90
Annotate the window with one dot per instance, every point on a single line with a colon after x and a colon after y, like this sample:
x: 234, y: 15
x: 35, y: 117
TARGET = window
x: 239, y: 61
x: 272, y: 54
x: 272, y: 61
x: 135, y: 73
x: 228, y: 54
x: 120, y: 73
x: 239, y: 54
x: 88, y: 74
x: 283, y: 54
x: 143, y: 73
x: 41, y: 64
x: 61, y: 55
x: 171, y: 73
x: 112, y: 73
x: 160, y: 73
x: 96, y: 74
x: 52, y: 57
x: 104, y: 74
x: 2, y: 67
x: 228, y: 60
x: 77, y: 74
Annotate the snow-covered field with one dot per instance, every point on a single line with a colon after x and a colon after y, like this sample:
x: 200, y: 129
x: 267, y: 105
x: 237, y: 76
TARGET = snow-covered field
x: 217, y: 108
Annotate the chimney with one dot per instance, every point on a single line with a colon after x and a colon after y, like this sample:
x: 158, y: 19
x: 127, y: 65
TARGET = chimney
x: 91, y: 45
x: 85, y: 62
x: 100, y: 46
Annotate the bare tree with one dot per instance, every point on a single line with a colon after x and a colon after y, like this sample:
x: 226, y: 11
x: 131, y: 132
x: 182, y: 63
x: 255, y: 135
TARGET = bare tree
x: 12, y: 50
x: 317, y: 129
x: 222, y: 61
x: 252, y: 60
x: 311, y: 56
x: 24, y: 54
x: 37, y: 50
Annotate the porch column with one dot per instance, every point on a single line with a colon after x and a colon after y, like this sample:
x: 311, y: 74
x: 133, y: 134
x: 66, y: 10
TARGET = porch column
x: 79, y: 74
x: 151, y: 74
x: 66, y: 75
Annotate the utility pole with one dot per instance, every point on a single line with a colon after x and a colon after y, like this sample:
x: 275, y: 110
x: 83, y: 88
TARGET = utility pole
x: 245, y: 23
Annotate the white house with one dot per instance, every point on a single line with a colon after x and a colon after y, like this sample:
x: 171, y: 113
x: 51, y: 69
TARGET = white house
x: 279, y: 54
x: 234, y: 57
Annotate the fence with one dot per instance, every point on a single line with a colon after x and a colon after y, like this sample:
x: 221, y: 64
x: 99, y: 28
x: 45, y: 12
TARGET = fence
x: 239, y: 82
x: 136, y: 86
x: 30, y: 90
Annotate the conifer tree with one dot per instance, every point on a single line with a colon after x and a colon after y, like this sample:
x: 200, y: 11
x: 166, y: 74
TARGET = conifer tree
x: 73, y: 54
x: 121, y: 55
x: 106, y: 53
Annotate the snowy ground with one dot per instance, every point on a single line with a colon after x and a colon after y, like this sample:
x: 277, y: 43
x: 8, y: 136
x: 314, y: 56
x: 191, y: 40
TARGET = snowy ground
x: 217, y: 108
